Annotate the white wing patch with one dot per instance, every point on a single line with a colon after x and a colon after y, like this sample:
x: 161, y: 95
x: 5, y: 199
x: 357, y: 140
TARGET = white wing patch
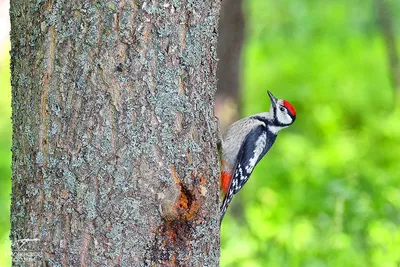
x: 259, y: 147
x: 239, y: 168
x: 242, y: 177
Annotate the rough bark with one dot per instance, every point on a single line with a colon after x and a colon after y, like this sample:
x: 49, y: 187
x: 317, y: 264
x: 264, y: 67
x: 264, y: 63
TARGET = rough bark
x: 114, y: 149
x: 230, y: 42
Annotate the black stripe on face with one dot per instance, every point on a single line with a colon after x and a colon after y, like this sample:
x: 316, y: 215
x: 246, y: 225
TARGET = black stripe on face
x: 278, y: 123
x: 262, y: 119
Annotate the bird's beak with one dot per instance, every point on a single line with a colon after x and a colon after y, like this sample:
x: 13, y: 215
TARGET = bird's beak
x: 273, y: 98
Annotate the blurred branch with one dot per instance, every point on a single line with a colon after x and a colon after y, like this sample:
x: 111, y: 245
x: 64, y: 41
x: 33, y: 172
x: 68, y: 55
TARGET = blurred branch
x: 385, y: 22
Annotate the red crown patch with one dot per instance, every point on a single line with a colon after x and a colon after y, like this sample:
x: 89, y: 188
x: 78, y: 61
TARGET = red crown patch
x: 289, y: 107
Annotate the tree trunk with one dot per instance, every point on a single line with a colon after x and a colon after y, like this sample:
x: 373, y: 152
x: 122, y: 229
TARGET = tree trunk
x: 114, y: 146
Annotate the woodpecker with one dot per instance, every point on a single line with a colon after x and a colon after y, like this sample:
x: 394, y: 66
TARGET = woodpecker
x: 245, y: 143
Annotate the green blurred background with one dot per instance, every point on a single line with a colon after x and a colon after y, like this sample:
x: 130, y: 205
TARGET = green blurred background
x: 5, y: 153
x: 328, y: 193
x: 5, y: 136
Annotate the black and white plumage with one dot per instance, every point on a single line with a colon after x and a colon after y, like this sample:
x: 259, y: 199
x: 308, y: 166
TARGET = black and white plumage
x: 245, y: 143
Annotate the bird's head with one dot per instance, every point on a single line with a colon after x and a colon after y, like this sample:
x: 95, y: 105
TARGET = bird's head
x: 283, y: 112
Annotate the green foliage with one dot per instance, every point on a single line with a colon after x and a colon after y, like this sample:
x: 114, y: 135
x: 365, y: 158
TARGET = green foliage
x: 328, y: 193
x: 5, y: 159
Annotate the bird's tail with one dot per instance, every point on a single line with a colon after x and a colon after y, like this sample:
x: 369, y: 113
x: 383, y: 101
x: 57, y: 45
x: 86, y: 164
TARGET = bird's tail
x: 224, y: 207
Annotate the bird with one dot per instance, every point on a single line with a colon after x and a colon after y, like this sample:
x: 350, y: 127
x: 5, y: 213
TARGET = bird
x: 246, y: 141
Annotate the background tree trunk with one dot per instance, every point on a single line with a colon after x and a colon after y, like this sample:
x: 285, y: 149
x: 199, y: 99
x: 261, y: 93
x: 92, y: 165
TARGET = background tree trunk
x: 230, y: 42
x: 389, y: 36
x: 114, y: 149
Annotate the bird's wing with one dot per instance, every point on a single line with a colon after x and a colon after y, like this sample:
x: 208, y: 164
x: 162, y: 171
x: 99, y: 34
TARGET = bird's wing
x: 254, y: 147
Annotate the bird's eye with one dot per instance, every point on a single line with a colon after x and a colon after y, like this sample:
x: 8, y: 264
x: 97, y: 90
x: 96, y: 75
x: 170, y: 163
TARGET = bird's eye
x: 282, y: 109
